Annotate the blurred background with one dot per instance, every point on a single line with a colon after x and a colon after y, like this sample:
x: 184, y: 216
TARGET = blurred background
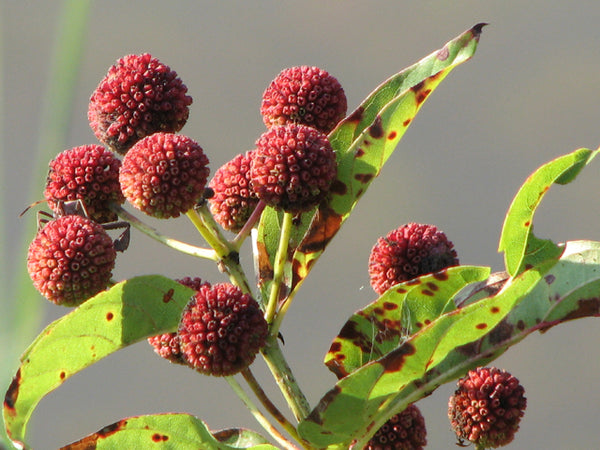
x: 530, y: 94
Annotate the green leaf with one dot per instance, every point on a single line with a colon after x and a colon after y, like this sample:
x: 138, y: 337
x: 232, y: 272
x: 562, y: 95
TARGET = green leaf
x: 363, y: 142
x: 127, y: 313
x: 538, y: 298
x: 168, y: 431
x: 403, y: 310
x: 521, y: 248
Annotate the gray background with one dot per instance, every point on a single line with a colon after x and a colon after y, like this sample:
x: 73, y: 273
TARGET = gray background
x: 529, y: 95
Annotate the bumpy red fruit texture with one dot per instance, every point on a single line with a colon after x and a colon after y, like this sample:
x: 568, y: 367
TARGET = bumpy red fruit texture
x: 408, y: 252
x: 167, y: 344
x: 89, y: 173
x: 234, y: 199
x: 139, y: 96
x: 403, y: 431
x: 305, y: 95
x: 487, y: 407
x: 164, y: 174
x: 292, y: 167
x: 70, y: 260
x: 221, y: 330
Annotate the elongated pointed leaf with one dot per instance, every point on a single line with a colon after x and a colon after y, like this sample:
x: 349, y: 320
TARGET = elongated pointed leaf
x: 168, y: 431
x: 521, y: 248
x: 403, y: 310
x: 125, y: 314
x: 363, y: 142
x: 539, y: 298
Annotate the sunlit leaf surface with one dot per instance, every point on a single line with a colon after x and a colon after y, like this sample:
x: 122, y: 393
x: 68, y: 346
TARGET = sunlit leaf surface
x: 168, y: 431
x: 126, y: 313
x: 521, y: 248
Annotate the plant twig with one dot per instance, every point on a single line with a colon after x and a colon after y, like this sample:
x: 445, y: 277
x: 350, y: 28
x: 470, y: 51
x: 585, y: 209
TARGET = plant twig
x: 227, y: 256
x: 268, y: 404
x: 285, y: 379
x: 247, y: 228
x: 259, y: 416
x: 154, y: 234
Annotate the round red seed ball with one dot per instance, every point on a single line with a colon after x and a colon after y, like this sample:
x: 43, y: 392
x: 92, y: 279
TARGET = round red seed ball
x: 305, y: 95
x: 89, y: 173
x: 292, y: 167
x: 408, y: 252
x: 138, y: 97
x: 164, y: 174
x: 70, y: 260
x: 487, y: 407
x: 234, y: 199
x: 221, y: 330
x: 403, y: 431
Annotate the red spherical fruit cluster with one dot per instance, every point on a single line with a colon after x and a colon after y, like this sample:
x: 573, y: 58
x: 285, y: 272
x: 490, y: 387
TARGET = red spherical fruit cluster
x: 292, y: 167
x: 487, y: 407
x: 138, y: 97
x: 410, y: 251
x: 164, y: 174
x: 70, y: 260
x: 234, y: 199
x: 167, y: 344
x: 89, y: 173
x: 221, y: 330
x: 403, y: 431
x: 305, y: 95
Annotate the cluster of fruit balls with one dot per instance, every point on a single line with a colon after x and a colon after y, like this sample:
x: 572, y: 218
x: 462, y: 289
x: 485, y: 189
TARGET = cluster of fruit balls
x: 137, y: 111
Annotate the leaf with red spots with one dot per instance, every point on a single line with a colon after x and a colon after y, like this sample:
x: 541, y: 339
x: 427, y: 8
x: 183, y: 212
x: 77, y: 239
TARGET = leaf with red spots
x: 363, y: 142
x: 538, y: 298
x: 127, y: 313
x: 521, y: 247
x: 403, y: 310
x: 171, y: 430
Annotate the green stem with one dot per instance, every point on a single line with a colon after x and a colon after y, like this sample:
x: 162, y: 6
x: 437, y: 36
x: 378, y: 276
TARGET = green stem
x: 227, y: 256
x: 281, y: 313
x: 269, y: 406
x: 285, y: 379
x: 279, y: 264
x: 154, y: 234
x: 264, y: 422
x: 210, y: 235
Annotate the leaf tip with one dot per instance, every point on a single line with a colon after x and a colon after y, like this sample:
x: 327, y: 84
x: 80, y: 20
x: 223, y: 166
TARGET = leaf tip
x: 476, y: 30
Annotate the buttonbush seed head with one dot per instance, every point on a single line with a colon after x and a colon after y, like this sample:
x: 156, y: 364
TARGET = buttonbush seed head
x: 487, y: 407
x: 292, y: 167
x: 70, y: 260
x: 89, y: 173
x: 221, y: 330
x: 234, y: 199
x: 403, y: 431
x: 408, y: 252
x: 138, y: 97
x: 164, y: 174
x: 304, y: 95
